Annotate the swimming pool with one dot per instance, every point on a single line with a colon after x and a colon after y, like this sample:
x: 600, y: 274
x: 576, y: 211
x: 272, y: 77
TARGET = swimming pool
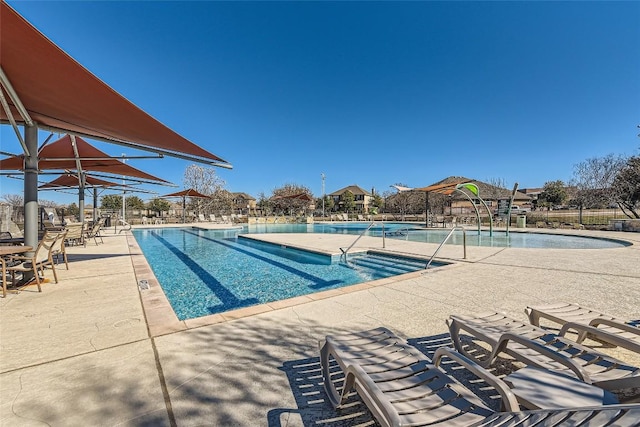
x: 417, y: 233
x: 205, y: 272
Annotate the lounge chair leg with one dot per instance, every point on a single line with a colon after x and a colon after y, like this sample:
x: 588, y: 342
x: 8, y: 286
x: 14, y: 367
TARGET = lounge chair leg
x: 55, y: 275
x: 534, y: 317
x: 329, y: 387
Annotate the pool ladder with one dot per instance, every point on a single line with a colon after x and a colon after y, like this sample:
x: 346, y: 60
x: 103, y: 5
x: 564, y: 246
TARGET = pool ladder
x: 344, y: 251
x: 464, y: 244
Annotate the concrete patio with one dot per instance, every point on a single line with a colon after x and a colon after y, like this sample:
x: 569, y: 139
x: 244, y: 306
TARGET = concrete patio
x: 95, y: 349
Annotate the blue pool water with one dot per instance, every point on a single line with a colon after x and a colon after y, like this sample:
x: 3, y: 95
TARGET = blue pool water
x: 417, y: 233
x: 204, y: 272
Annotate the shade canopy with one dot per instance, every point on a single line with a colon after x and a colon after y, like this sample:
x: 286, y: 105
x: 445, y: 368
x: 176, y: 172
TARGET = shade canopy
x: 446, y: 188
x: 72, y: 181
x: 45, y: 85
x: 61, y: 155
x: 190, y: 192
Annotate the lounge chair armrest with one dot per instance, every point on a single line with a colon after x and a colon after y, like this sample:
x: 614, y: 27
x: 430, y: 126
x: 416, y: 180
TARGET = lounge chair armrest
x: 554, y: 355
x: 371, y: 394
x: 508, y: 398
x: 618, y: 325
x: 603, y: 335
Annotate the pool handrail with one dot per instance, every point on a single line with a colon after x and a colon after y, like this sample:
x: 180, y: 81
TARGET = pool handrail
x: 464, y: 244
x: 344, y: 251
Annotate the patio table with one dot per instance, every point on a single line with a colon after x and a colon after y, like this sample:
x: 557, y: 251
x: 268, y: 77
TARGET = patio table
x: 5, y: 251
x: 12, y: 241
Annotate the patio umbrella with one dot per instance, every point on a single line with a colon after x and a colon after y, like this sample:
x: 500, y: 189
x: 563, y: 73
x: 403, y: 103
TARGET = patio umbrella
x: 190, y: 192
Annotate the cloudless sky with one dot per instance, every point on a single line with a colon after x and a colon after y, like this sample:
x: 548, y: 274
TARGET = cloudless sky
x: 368, y: 93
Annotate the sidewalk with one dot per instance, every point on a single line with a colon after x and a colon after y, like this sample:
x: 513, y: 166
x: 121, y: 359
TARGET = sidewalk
x: 81, y: 352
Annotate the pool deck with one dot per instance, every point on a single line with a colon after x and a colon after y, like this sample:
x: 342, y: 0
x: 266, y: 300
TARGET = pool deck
x: 97, y: 349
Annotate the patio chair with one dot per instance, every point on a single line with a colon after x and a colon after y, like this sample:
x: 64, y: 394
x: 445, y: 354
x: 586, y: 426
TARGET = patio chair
x: 538, y: 347
x: 588, y: 322
x: 42, y: 257
x: 201, y: 218
x: 75, y: 234
x: 58, y: 249
x: 401, y: 386
x: 94, y: 232
x: 212, y: 218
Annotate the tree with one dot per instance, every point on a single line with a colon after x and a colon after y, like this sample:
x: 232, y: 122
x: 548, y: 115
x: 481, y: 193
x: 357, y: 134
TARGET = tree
x: 47, y: 203
x: 13, y: 199
x: 158, y: 206
x: 593, y: 180
x: 134, y: 202
x: 112, y: 202
x: 376, y: 203
x: 405, y: 202
x: 553, y: 193
x: 73, y: 210
x: 282, y: 201
x: 329, y: 204
x: 206, y: 181
x: 264, y: 204
x: 626, y: 188
x: 348, y: 201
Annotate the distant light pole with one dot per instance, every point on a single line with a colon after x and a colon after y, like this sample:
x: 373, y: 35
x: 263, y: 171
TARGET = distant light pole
x: 322, y: 175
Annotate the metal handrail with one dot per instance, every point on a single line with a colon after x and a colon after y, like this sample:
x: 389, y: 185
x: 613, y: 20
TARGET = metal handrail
x: 344, y: 251
x: 464, y: 244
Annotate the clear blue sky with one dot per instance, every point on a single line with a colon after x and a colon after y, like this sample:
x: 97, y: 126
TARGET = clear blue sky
x: 368, y: 93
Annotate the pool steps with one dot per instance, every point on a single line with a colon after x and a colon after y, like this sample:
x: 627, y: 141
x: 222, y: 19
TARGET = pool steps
x: 384, y: 265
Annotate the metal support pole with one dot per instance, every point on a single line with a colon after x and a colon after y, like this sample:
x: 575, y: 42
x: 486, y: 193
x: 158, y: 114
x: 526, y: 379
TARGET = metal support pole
x: 81, y: 195
x: 322, y: 175
x: 95, y: 204
x: 426, y: 209
x: 513, y: 195
x: 31, y: 190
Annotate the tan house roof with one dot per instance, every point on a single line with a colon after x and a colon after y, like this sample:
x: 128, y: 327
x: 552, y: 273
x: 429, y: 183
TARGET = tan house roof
x: 354, y: 189
x: 244, y: 196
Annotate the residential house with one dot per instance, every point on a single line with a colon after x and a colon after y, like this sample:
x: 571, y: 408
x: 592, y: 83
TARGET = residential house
x: 362, y: 198
x: 243, y: 203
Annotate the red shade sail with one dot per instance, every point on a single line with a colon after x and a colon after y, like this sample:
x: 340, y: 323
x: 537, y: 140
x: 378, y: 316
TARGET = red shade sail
x: 60, y: 94
x: 190, y: 192
x: 71, y: 181
x: 59, y: 155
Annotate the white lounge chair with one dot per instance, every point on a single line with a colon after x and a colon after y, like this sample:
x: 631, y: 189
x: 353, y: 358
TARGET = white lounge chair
x: 588, y: 322
x: 402, y: 387
x: 538, y: 347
